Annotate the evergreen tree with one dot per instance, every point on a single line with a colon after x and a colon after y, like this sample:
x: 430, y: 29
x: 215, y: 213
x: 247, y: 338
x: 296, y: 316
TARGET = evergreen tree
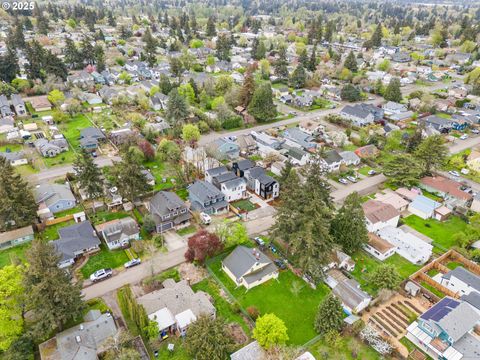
x: 165, y: 84
x: 258, y: 49
x: 376, y: 39
x: 261, y: 106
x: 129, y: 178
x: 329, y: 315
x: 348, y: 227
x: 18, y: 207
x: 99, y: 58
x: 298, y: 77
x: 403, y: 170
x: 52, y: 64
x: 150, y: 48
x: 177, y: 107
x: 303, y: 58
x: 431, y: 153
x: 350, y: 93
x: 111, y: 19
x: 248, y: 89
x: 285, y: 172
x: 73, y: 58
x: 9, y: 66
x: 52, y: 297
x: 312, y: 62
x: 393, y: 92
x: 89, y: 175
x: 223, y: 47
x: 35, y: 55
x: 280, y: 66
x: 351, y: 62
x: 88, y: 51
x: 211, y: 30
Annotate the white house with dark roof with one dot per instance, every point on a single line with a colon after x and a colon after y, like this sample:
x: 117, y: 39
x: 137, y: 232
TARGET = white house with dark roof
x: 249, y: 267
x: 461, y: 281
x: 379, y: 215
x: 362, y: 114
x: 15, y: 158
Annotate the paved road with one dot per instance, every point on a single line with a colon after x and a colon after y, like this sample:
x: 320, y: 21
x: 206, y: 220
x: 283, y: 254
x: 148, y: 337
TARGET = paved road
x: 60, y: 171
x: 460, y: 145
x: 363, y: 187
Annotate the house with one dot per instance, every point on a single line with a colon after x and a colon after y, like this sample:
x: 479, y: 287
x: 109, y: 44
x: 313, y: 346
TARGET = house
x: 252, y: 351
x: 210, y: 174
x: 447, y: 331
x: 247, y: 144
x: 448, y: 189
x: 234, y: 189
x: 85, y: 341
x: 205, y: 197
x: 423, y: 207
x: 438, y: 123
x: 15, y: 158
x: 175, y: 307
x: 354, y: 300
x: 311, y: 127
x: 7, y: 124
x: 379, y: 215
x: 332, y: 160
x: 379, y: 248
x: 261, y: 183
x: 19, y: 105
x: 90, y: 138
x: 159, y: 101
x: 223, y: 149
x: 349, y: 158
x: 407, y: 245
x: 119, y: 232
x: 51, y: 148
x: 391, y: 108
x: 74, y: 241
x: 408, y: 194
x: 367, y: 151
x: 4, y: 107
x: 249, y: 267
x: 122, y: 135
x: 266, y: 142
x: 340, y: 260
x: 392, y: 198
x: 53, y: 198
x: 168, y: 211
x: 297, y: 156
x: 298, y: 136
x: 40, y: 103
x: 239, y: 167
x: 16, y: 237
x: 362, y: 114
x: 461, y: 281
x: 475, y: 203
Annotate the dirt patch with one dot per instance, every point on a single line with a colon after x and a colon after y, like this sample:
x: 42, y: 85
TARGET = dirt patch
x: 192, y: 273
x: 237, y: 333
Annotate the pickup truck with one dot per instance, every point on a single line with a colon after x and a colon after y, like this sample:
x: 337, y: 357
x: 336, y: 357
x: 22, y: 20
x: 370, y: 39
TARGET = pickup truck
x: 101, y: 274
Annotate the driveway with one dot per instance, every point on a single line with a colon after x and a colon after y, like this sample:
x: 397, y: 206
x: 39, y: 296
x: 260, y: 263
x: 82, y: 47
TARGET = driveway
x: 363, y: 187
x: 173, y: 241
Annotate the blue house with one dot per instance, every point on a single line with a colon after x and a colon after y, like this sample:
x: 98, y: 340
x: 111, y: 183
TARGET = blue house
x: 53, y: 198
x: 423, y: 207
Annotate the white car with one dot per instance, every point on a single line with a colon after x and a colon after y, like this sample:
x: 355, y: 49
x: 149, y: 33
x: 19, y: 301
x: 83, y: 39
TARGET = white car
x: 132, y: 263
x: 371, y: 172
x: 353, y: 179
x: 101, y: 274
x: 343, y: 181
x: 464, y: 137
x: 454, y: 173
x: 475, y: 131
x: 206, y: 219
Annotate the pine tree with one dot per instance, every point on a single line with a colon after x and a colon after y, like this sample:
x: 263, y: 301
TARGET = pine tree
x: 89, y: 175
x: 72, y: 55
x: 52, y: 297
x: 211, y: 30
x: 18, y: 207
x: 88, y: 51
x: 376, y: 39
x: 281, y: 65
x: 351, y: 62
x: 248, y: 89
x: 329, y: 315
x: 312, y: 62
x: 52, y: 64
x: 177, y: 107
x: 393, y: 92
x: 99, y: 58
x: 35, y: 55
x: 223, y: 47
x: 303, y: 58
x: 9, y: 66
x: 261, y: 106
x: 150, y: 48
x: 111, y: 19
x: 348, y: 227
x: 164, y: 84
x: 402, y: 170
x: 431, y: 153
x: 298, y: 77
x: 258, y: 49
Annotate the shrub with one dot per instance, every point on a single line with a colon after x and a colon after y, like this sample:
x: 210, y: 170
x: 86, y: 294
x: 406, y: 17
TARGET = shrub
x: 253, y: 312
x: 232, y: 123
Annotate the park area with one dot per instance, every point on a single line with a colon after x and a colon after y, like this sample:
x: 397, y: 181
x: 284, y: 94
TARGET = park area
x: 289, y: 297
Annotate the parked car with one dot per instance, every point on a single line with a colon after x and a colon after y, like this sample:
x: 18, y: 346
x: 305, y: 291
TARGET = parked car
x: 232, y: 138
x: 101, y: 274
x: 475, y: 131
x: 353, y: 179
x: 272, y: 248
x: 343, y: 181
x: 464, y: 137
x: 371, y: 172
x: 132, y: 263
x: 94, y: 154
x: 259, y: 241
x: 465, y: 171
x: 206, y: 219
x: 280, y: 264
x: 454, y: 173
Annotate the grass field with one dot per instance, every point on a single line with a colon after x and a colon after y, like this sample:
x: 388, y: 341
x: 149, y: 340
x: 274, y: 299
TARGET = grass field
x: 71, y: 129
x: 103, y: 216
x: 104, y: 259
x: 161, y: 170
x: 51, y: 232
x: 344, y: 351
x: 187, y: 230
x: 289, y: 297
x: 7, y: 256
x: 11, y: 147
x: 245, y: 205
x: 440, y: 232
x: 366, y: 264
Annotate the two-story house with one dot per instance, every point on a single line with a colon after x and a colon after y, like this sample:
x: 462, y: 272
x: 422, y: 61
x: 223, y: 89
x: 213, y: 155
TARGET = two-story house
x: 261, y: 183
x: 205, y: 197
x: 119, y: 232
x: 19, y: 105
x: 379, y: 215
x: 168, y: 211
x: 362, y: 114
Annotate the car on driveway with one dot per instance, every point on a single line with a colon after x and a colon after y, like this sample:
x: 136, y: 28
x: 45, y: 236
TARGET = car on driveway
x: 272, y: 248
x: 464, y: 137
x: 475, y: 131
x: 101, y: 274
x: 280, y: 264
x: 343, y: 181
x: 353, y: 179
x: 371, y: 172
x: 132, y: 263
x: 454, y: 173
x: 206, y: 219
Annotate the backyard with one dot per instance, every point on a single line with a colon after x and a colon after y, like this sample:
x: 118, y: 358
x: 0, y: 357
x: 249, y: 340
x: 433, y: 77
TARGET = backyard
x: 161, y: 171
x: 442, y: 233
x: 366, y: 264
x: 345, y: 350
x: 8, y: 256
x: 104, y: 259
x: 289, y: 297
x: 244, y: 205
x: 104, y: 216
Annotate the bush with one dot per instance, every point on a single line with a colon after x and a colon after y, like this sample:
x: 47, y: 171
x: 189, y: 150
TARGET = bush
x: 253, y: 312
x: 232, y: 123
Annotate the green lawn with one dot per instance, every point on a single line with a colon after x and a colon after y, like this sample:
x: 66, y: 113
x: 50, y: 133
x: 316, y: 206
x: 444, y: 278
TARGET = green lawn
x: 104, y: 259
x: 365, y: 264
x: 71, y: 129
x: 187, y: 230
x: 345, y: 350
x: 9, y: 255
x: 245, y: 205
x: 103, y: 216
x: 64, y: 158
x: 11, y: 147
x: 364, y: 170
x: 295, y: 304
x: 452, y: 265
x: 161, y: 170
x: 179, y: 352
x: 432, y: 289
x: 440, y: 232
x: 71, y: 211
x: 51, y: 232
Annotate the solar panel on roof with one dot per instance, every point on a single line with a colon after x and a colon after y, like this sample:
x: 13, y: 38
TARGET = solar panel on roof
x: 442, y: 308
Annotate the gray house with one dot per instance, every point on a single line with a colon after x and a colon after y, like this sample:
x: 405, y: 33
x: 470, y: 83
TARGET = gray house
x: 19, y: 105
x: 53, y: 198
x: 90, y: 137
x: 51, y: 148
x: 362, y: 114
x: 16, y: 237
x: 222, y: 149
x: 205, y: 197
x: 74, y: 241
x: 168, y: 211
x: 4, y: 107
x: 119, y: 232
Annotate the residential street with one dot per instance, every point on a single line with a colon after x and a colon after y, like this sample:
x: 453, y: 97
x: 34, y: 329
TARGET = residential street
x: 460, y: 145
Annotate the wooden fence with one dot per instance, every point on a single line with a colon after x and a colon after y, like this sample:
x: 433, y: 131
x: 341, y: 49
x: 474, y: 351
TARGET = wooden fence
x: 59, y: 220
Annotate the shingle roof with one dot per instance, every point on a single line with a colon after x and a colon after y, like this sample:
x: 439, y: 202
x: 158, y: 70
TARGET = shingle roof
x: 242, y: 259
x: 465, y: 276
x: 376, y: 211
x: 75, y: 238
x: 446, y: 185
x: 204, y: 190
x: 164, y: 202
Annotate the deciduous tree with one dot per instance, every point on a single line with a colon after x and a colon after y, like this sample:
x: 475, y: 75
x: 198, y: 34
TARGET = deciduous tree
x: 269, y: 331
x: 202, y: 245
x: 385, y: 276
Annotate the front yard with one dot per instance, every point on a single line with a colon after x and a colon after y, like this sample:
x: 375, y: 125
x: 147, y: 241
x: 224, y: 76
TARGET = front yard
x: 245, y: 205
x: 442, y: 233
x: 289, y: 297
x: 104, y: 259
